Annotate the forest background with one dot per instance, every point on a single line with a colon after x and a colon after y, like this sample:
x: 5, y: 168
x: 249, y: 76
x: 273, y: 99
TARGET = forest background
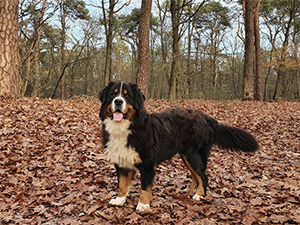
x: 71, y: 48
x: 63, y: 48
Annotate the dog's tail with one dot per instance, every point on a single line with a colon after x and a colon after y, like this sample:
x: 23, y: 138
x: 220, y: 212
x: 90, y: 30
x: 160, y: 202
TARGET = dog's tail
x: 235, y: 139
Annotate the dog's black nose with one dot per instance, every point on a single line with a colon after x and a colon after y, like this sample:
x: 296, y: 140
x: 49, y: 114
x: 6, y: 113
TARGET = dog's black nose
x: 118, y: 102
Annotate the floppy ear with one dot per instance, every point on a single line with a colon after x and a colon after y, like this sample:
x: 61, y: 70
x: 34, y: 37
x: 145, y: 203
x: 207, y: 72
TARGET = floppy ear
x: 102, y: 93
x: 140, y: 97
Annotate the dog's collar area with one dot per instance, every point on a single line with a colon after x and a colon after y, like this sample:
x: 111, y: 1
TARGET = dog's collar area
x: 125, y: 116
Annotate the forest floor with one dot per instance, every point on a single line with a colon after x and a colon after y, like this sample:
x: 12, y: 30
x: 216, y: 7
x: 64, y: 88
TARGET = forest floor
x: 53, y: 170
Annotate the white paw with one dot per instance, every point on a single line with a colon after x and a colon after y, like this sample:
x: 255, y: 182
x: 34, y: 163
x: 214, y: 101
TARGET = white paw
x: 118, y: 201
x: 197, y: 197
x: 141, y: 207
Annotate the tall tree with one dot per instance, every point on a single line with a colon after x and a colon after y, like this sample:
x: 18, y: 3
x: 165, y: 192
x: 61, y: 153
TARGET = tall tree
x: 258, y: 95
x: 25, y: 51
x: 143, y: 47
x: 128, y: 30
x: 175, y: 12
x: 9, y: 52
x: 188, y: 66
x: 109, y: 38
x: 248, y: 81
x: 62, y: 46
x: 38, y: 27
x: 109, y: 27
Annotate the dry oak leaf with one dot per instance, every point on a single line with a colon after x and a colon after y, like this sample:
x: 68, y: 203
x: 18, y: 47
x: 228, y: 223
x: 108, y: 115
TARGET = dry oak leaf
x: 40, y: 209
x: 70, y: 221
x: 92, y: 209
x: 133, y: 218
x: 248, y: 220
x: 256, y: 201
x: 280, y: 219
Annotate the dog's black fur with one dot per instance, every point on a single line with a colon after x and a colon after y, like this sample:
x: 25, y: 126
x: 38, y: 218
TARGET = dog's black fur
x: 159, y: 136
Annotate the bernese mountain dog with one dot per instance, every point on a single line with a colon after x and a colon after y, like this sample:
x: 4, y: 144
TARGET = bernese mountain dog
x: 135, y: 140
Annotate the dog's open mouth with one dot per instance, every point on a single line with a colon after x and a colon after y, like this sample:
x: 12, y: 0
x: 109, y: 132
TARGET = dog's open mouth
x: 118, y: 116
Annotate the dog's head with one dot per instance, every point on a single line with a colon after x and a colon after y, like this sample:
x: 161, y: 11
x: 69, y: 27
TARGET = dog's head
x: 120, y: 101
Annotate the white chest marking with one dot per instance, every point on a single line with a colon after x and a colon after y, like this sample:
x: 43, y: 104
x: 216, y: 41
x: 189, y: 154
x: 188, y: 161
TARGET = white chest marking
x: 116, y: 149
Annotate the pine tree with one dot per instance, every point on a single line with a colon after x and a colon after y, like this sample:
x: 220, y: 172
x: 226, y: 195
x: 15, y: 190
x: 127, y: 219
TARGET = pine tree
x: 9, y: 48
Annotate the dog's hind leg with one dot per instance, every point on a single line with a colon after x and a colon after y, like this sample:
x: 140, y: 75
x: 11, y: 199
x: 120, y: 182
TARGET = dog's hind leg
x: 195, y: 164
x: 124, y: 179
x: 194, y: 183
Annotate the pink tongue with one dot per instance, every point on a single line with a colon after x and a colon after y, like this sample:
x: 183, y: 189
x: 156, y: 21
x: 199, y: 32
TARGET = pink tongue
x: 117, y: 116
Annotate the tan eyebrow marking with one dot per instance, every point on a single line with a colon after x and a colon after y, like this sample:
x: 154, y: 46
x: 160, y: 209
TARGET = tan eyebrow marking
x: 116, y: 90
x: 125, y: 92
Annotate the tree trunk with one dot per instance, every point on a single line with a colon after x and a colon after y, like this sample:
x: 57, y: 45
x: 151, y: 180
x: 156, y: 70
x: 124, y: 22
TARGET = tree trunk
x: 258, y: 77
x: 297, y: 69
x: 9, y: 49
x: 109, y: 40
x: 24, y: 61
x: 176, y: 52
x: 95, y: 87
x: 25, y: 81
x: 188, y: 71
x: 143, y: 47
x: 36, y: 88
x: 267, y: 77
x: 211, y: 59
x: 63, y: 40
x: 248, y: 82
x: 151, y: 92
x: 277, y: 85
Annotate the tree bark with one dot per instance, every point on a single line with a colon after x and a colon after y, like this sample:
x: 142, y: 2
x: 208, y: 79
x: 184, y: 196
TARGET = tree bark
x: 188, y: 71
x: 24, y: 58
x: 211, y: 59
x: 248, y: 81
x: 258, y: 96
x: 63, y: 41
x: 109, y: 40
x: 176, y: 52
x: 297, y: 69
x: 143, y: 47
x: 9, y: 49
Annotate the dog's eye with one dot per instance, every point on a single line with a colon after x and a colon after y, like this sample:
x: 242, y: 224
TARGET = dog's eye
x: 125, y: 92
x: 113, y: 94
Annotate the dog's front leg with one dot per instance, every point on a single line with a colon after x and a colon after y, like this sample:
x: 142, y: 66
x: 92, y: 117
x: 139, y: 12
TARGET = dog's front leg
x: 147, y: 176
x: 124, y: 179
x: 144, y: 203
